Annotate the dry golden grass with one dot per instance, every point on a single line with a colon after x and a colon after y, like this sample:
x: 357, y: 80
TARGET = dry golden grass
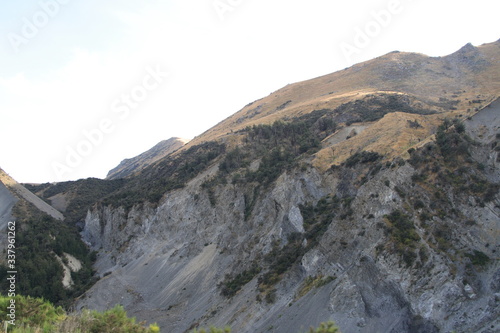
x: 391, y: 136
x: 467, y: 75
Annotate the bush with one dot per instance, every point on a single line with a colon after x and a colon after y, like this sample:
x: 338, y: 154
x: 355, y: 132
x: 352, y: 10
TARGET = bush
x: 37, y: 315
x: 32, y: 311
x: 328, y: 327
x: 403, y: 235
x: 115, y: 320
x: 452, y: 140
x: 231, y: 286
x: 478, y: 258
x: 362, y: 158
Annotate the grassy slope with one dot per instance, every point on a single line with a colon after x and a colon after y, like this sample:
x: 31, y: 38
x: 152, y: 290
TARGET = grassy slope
x: 469, y: 74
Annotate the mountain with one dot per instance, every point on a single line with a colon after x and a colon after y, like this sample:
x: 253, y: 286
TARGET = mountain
x: 131, y: 165
x: 369, y: 197
x: 442, y: 83
x: 51, y: 259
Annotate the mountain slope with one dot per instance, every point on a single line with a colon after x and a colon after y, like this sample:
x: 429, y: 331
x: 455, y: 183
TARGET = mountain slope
x: 131, y: 165
x: 369, y: 197
x: 376, y: 250
x: 21, y: 191
x: 7, y: 201
x: 448, y: 83
x: 51, y: 260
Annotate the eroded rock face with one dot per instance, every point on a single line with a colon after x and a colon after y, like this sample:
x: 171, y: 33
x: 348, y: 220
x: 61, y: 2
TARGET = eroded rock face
x: 165, y: 264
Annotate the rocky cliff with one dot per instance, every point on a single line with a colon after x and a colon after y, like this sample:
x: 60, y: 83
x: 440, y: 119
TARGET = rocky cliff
x: 378, y: 245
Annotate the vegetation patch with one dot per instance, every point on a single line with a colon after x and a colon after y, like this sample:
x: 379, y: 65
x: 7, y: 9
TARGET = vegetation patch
x: 452, y: 140
x: 478, y: 258
x: 447, y: 163
x: 280, y: 259
x: 375, y: 107
x: 312, y: 282
x: 39, y: 237
x: 37, y: 315
x: 231, y: 285
x: 362, y: 157
x: 318, y: 217
x: 169, y: 174
x: 403, y: 235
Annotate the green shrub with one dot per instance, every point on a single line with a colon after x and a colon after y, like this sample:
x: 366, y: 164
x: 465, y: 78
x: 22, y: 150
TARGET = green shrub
x: 452, y: 140
x: 362, y: 158
x: 231, y: 286
x: 328, y: 327
x: 403, y: 234
x: 418, y: 204
x: 36, y: 315
x: 31, y: 311
x: 478, y: 258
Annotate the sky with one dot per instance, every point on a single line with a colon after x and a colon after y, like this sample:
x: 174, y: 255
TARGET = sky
x: 85, y: 84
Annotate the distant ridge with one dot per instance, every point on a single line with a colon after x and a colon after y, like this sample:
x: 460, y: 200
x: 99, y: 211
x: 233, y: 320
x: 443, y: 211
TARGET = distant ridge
x: 23, y: 193
x: 130, y: 166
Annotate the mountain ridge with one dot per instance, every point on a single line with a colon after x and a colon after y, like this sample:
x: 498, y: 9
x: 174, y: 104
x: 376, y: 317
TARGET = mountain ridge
x: 129, y: 166
x: 394, y: 72
x: 22, y: 192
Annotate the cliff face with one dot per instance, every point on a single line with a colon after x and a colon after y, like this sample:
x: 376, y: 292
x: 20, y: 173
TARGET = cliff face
x: 377, y: 245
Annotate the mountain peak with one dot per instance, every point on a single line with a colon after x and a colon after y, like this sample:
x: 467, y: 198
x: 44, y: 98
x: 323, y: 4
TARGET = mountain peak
x: 129, y: 166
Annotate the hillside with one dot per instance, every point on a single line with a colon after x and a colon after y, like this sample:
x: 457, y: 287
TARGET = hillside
x: 453, y: 85
x: 21, y: 192
x: 51, y: 259
x: 369, y: 197
x: 372, y: 245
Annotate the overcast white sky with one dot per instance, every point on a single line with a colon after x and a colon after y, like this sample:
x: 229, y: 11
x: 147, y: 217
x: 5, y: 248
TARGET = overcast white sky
x: 83, y: 83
